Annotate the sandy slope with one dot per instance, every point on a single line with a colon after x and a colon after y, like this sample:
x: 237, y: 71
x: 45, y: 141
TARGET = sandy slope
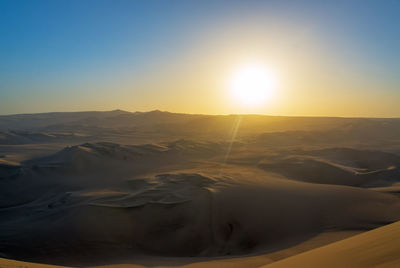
x: 376, y: 248
x: 5, y: 263
x: 252, y: 261
x: 184, y: 214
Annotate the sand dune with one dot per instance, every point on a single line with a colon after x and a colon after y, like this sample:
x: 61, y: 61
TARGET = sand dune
x: 366, y: 160
x: 103, y: 158
x: 185, y: 215
x: 5, y: 263
x: 9, y: 169
x: 29, y: 137
x: 157, y: 125
x: 376, y: 248
x: 190, y: 194
x: 319, y: 170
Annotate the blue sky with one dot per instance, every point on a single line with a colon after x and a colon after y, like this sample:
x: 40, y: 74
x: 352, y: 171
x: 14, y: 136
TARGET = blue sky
x: 94, y: 55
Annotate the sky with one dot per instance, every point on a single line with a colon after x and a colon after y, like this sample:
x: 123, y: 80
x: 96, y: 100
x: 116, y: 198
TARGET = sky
x: 330, y: 58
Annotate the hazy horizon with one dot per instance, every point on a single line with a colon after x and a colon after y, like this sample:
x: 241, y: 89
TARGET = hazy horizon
x: 331, y: 58
x: 227, y: 114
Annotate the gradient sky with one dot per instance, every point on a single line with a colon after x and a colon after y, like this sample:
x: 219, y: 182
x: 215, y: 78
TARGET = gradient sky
x: 333, y: 58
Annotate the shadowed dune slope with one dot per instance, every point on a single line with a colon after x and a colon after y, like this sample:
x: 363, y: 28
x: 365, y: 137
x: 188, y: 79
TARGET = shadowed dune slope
x: 317, y: 170
x: 183, y: 214
x: 376, y: 248
x: 340, y: 166
x: 367, y: 160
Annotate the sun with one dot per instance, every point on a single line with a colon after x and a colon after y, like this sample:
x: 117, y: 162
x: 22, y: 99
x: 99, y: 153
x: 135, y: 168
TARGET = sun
x: 253, y: 85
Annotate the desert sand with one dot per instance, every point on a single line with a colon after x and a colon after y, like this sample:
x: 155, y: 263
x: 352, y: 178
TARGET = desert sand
x: 377, y: 248
x: 157, y: 189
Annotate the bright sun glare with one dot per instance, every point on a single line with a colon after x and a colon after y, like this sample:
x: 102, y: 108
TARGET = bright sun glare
x: 253, y: 85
